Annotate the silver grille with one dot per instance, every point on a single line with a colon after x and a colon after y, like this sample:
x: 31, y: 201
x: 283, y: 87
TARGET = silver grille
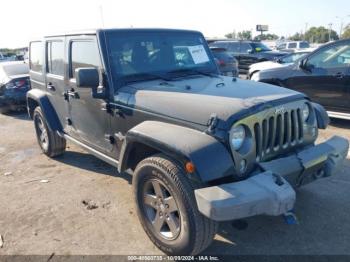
x: 278, y: 132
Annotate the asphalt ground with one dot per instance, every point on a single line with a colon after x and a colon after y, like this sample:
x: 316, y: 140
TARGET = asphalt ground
x: 43, y: 206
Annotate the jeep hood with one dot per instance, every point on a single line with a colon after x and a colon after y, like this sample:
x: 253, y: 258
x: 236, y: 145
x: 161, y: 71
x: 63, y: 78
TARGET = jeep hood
x: 196, y: 99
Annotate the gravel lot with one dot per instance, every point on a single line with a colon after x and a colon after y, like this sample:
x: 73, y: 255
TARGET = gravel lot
x: 45, y: 218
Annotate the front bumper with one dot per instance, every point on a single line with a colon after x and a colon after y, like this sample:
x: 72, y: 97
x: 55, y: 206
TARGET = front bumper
x: 271, y: 192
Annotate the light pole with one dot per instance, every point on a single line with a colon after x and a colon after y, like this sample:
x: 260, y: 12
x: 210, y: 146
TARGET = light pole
x: 329, y: 32
x: 342, y: 18
x: 306, y: 25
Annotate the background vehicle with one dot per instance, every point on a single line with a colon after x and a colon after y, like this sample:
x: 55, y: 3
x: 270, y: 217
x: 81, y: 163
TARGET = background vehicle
x: 324, y: 75
x: 293, y: 46
x: 247, y: 52
x: 283, y: 61
x: 228, y: 65
x: 153, y: 101
x: 14, y: 84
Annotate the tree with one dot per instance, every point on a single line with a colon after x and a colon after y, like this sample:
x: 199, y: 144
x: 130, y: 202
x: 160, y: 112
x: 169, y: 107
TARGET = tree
x: 245, y: 35
x: 266, y: 37
x: 320, y: 35
x: 346, y: 33
x: 297, y: 37
x: 231, y: 35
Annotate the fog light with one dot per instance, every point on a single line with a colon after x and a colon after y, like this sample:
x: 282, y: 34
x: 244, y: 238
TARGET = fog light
x: 242, y: 165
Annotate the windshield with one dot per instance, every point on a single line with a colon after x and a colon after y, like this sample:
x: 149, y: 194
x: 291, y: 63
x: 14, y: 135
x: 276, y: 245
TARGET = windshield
x: 304, y: 45
x: 292, y: 57
x: 258, y: 47
x: 137, y: 55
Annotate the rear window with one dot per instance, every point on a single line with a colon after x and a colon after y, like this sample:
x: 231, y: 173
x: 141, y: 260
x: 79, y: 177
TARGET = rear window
x: 36, y: 56
x: 55, y: 58
x: 221, y: 55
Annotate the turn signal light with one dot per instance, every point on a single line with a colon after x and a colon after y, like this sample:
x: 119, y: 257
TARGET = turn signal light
x: 190, y: 168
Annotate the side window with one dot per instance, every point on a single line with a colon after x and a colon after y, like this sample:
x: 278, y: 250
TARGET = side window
x: 55, y: 58
x: 36, y: 56
x: 292, y: 45
x: 233, y: 47
x: 83, y: 54
x: 246, y: 48
x: 282, y: 46
x: 332, y: 57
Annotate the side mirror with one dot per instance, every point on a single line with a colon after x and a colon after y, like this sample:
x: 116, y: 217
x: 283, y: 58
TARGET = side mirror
x: 89, y: 77
x: 303, y: 64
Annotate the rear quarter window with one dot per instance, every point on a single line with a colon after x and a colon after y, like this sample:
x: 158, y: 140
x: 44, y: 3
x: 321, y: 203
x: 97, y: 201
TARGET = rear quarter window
x: 36, y: 56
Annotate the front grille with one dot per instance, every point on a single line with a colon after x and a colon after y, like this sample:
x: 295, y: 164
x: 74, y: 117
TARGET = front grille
x: 278, y: 132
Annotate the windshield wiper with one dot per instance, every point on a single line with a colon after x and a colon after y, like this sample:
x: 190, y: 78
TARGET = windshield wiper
x: 143, y: 77
x: 191, y: 71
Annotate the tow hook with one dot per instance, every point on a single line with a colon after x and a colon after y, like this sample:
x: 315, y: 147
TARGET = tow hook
x: 290, y: 218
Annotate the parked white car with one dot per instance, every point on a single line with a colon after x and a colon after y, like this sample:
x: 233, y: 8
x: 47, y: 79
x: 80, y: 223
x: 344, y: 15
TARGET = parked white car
x: 283, y: 61
x: 292, y: 46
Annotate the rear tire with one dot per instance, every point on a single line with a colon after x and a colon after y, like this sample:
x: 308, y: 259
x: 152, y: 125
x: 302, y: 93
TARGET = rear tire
x: 50, y: 142
x: 167, y: 208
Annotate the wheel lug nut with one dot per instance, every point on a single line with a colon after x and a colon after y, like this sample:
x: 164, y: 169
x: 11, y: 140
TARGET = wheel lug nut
x: 160, y: 213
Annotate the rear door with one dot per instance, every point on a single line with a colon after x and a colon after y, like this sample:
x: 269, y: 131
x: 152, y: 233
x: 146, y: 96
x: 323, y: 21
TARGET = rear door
x: 56, y: 77
x: 90, y: 123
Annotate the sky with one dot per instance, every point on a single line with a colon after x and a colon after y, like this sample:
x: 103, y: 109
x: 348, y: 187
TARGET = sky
x: 21, y: 20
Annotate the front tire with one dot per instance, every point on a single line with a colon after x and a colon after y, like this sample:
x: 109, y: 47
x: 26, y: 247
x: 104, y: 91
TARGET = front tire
x: 50, y: 142
x: 167, y: 209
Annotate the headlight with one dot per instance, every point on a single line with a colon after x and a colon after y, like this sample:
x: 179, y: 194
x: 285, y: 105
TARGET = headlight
x: 255, y: 77
x: 237, y: 137
x: 306, y: 112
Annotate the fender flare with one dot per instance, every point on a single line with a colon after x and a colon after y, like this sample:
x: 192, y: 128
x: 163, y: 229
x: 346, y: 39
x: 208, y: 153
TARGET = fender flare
x: 37, y: 97
x: 321, y: 116
x: 211, y: 158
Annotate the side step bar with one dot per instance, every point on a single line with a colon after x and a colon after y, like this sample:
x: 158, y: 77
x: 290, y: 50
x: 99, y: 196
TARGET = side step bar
x: 339, y: 115
x: 93, y: 151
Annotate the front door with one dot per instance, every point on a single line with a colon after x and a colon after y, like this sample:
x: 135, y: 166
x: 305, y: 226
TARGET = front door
x: 326, y: 77
x: 89, y: 122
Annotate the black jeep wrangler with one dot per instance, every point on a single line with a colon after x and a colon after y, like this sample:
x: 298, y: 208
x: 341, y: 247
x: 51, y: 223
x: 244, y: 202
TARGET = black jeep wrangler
x: 203, y: 147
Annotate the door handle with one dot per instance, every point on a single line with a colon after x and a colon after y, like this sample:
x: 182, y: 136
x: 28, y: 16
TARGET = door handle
x: 339, y: 75
x: 72, y: 94
x: 50, y: 86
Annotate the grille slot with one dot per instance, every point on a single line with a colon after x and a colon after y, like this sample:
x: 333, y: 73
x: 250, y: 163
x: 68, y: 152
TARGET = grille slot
x: 277, y: 132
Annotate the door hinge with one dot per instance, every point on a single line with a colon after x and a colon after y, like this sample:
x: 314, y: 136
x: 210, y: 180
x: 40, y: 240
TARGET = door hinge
x: 107, y: 107
x: 110, y: 138
x: 212, y: 123
x: 68, y: 121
